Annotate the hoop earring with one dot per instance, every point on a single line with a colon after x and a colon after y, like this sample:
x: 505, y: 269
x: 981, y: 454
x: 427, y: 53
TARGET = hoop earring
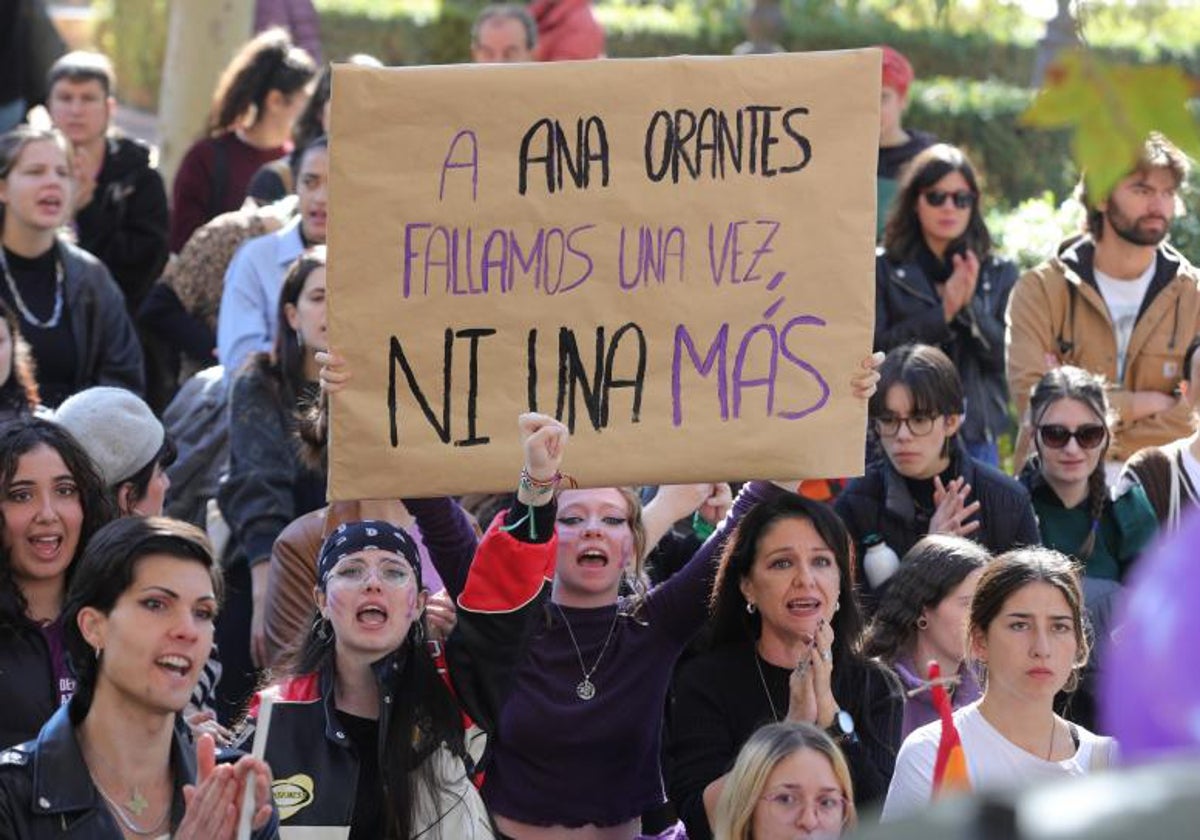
x: 322, y: 628
x: 750, y: 607
x: 99, y: 650
x: 922, y: 623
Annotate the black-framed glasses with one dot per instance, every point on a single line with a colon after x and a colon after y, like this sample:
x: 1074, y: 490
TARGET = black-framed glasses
x: 962, y: 198
x: 1088, y: 436
x: 919, y: 425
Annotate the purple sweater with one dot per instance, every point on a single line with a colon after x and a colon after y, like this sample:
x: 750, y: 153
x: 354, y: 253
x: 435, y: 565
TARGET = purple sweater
x: 556, y: 759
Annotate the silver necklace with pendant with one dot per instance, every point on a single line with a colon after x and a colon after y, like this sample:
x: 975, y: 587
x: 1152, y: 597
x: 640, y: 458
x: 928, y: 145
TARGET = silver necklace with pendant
x: 55, y: 316
x: 136, y: 805
x: 762, y: 679
x: 586, y: 689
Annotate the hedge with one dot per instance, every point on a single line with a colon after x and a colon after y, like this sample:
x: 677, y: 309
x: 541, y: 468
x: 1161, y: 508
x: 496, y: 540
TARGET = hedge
x: 390, y: 30
x: 1016, y: 163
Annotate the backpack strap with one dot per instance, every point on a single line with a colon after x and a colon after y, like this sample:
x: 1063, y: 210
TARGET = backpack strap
x: 1102, y: 754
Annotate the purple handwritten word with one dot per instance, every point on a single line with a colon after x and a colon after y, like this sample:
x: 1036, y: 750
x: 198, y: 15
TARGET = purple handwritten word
x: 758, y: 234
x: 464, y: 261
x: 659, y: 251
x: 761, y: 338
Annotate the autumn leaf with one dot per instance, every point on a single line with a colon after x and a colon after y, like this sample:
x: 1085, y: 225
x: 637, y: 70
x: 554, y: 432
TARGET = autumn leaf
x: 1112, y: 109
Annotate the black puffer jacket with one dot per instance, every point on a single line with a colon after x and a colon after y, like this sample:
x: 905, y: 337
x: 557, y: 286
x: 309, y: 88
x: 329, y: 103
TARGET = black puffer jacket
x: 908, y: 308
x: 880, y: 503
x: 125, y: 223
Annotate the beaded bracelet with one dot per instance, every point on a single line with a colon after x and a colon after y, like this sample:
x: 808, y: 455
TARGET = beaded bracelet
x: 537, y: 486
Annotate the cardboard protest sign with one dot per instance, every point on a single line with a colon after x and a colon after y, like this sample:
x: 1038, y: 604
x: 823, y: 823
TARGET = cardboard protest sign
x: 673, y: 256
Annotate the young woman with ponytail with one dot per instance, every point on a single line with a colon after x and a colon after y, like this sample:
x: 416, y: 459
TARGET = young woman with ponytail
x: 257, y: 100
x: 1077, y: 513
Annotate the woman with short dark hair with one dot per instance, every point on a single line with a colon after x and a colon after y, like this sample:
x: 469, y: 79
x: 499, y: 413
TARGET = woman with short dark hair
x: 113, y: 763
x: 926, y: 482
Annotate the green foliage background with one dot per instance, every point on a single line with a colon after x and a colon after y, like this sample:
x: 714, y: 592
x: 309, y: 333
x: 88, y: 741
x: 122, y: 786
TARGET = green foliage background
x: 974, y: 63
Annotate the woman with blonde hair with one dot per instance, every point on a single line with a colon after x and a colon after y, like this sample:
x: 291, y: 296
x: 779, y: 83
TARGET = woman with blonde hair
x: 790, y: 780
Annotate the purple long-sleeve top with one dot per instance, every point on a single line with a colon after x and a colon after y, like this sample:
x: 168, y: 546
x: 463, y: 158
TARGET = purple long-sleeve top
x: 557, y: 759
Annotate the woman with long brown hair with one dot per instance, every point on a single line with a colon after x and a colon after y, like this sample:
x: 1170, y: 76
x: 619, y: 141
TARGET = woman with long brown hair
x: 1027, y: 634
x: 257, y: 100
x: 270, y: 481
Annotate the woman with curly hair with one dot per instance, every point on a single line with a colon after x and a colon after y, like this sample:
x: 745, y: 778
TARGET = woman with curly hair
x: 51, y: 502
x: 922, y: 616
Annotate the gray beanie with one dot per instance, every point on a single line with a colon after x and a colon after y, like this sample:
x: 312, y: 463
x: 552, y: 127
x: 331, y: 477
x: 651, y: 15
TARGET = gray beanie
x: 115, y: 427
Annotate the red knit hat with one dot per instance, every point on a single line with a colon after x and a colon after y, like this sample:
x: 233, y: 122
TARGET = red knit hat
x: 897, y: 72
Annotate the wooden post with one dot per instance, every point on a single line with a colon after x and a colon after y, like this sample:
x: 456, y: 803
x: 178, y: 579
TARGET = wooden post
x: 202, y: 36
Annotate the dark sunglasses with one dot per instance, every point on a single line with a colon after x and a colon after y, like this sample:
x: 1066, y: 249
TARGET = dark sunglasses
x: 962, y: 198
x: 1088, y: 436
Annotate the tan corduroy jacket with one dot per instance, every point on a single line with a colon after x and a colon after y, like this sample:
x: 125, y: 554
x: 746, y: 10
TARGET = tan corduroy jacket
x: 1056, y: 310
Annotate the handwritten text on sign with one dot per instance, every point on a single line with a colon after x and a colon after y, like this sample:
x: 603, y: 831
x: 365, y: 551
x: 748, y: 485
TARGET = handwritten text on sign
x: 672, y: 256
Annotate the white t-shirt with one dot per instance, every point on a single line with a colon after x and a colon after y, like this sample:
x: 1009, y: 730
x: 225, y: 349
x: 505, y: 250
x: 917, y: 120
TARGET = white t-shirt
x: 1124, y: 299
x: 1192, y: 467
x: 993, y: 762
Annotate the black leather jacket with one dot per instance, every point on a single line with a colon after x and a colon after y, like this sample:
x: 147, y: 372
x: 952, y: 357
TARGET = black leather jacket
x: 908, y: 308
x: 46, y: 791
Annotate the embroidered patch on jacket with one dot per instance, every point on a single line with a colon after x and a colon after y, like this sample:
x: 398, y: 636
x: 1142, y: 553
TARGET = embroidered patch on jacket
x: 292, y: 794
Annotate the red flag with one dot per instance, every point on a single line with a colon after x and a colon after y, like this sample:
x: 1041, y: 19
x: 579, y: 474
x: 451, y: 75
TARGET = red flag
x: 950, y: 768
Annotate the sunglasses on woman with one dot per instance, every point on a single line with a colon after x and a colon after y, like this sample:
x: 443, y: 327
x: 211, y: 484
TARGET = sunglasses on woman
x: 1088, y: 436
x: 962, y: 198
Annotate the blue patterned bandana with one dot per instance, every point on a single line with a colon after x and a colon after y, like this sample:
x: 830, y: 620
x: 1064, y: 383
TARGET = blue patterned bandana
x: 354, y: 537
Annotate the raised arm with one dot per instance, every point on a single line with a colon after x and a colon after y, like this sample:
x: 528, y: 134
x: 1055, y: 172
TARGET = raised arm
x: 509, y: 579
x: 449, y: 536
